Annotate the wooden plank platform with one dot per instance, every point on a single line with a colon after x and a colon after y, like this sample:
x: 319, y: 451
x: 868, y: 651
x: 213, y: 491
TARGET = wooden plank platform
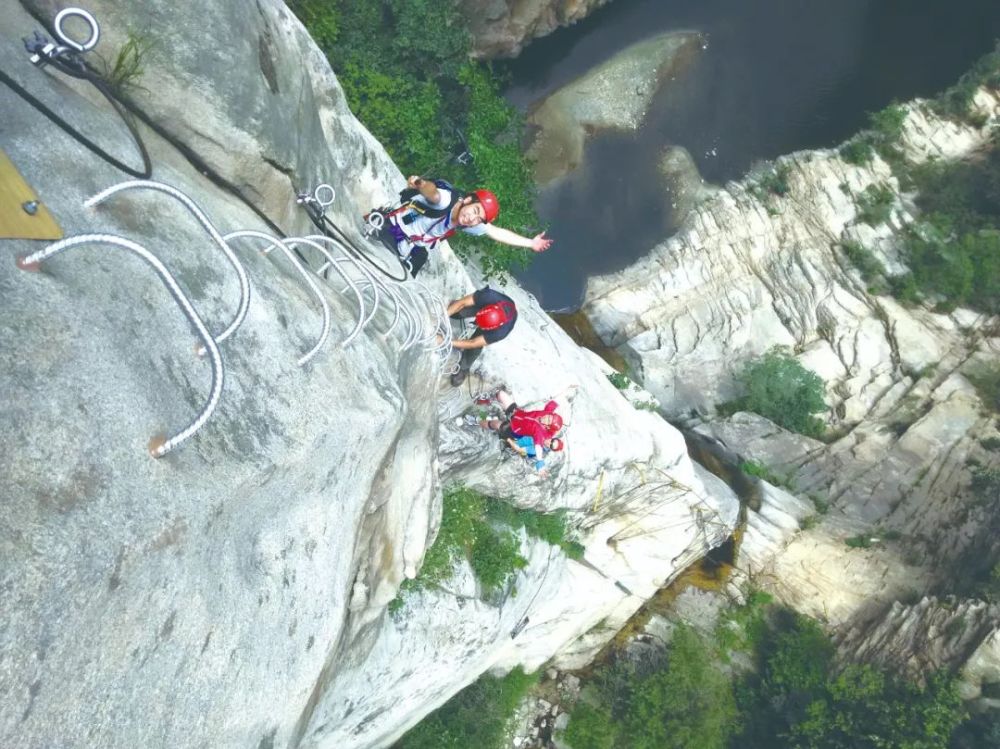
x: 15, y: 222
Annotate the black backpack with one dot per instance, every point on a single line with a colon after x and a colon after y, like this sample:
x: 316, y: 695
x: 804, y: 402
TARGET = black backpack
x: 408, y: 202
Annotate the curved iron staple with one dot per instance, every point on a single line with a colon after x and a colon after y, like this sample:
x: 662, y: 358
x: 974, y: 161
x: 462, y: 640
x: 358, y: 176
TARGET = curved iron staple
x: 364, y: 283
x: 415, y: 332
x: 158, y: 447
x: 275, y: 242
x: 387, y: 285
x: 333, y: 263
x: 241, y: 311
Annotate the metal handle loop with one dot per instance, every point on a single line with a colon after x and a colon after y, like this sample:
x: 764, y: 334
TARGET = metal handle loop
x: 318, y: 199
x: 95, y: 30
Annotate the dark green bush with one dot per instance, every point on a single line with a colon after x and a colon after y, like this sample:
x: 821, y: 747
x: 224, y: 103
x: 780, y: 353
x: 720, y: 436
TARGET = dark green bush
x: 875, y: 204
x: 887, y: 124
x: 619, y: 380
x: 782, y: 390
x: 864, y: 260
x: 687, y: 705
x: 775, y: 181
x: 858, y: 151
x: 480, y: 530
x: 591, y: 727
x: 478, y: 717
x: 957, y: 100
x: 799, y: 698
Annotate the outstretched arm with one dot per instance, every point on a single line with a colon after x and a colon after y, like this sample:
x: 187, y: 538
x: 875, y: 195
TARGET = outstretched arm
x: 461, y: 343
x: 538, y: 243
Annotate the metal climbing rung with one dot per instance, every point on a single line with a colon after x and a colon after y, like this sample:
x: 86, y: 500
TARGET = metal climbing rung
x: 158, y: 446
x: 285, y: 248
x: 143, y: 184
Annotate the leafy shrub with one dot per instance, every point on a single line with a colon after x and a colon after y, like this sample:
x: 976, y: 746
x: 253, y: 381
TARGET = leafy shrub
x: 591, y: 727
x: 864, y: 260
x: 782, y: 390
x: 478, y: 717
x: 887, y: 125
x: 858, y: 151
x: 875, y: 204
x: 741, y: 627
x: 620, y: 380
x: 761, y: 471
x: 800, y: 699
x: 775, y: 181
x: 986, y: 380
x: 481, y: 531
x: 687, y: 705
x: 956, y: 102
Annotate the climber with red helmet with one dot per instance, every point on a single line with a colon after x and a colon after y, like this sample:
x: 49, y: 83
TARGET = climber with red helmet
x: 495, y: 315
x: 433, y: 210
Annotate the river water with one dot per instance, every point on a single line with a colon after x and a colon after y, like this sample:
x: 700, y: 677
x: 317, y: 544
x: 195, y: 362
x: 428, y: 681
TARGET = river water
x: 776, y: 76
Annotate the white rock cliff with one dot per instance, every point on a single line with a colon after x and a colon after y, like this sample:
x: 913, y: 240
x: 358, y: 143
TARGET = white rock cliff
x: 234, y: 593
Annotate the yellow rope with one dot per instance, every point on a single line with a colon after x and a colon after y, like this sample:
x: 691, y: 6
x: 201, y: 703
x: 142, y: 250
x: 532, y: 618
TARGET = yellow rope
x: 600, y: 488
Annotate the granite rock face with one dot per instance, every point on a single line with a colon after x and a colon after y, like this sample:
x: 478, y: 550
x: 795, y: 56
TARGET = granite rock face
x: 748, y: 271
x: 234, y: 592
x: 501, y: 28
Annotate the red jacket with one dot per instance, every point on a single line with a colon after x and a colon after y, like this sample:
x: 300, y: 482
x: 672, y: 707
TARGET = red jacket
x: 527, y: 424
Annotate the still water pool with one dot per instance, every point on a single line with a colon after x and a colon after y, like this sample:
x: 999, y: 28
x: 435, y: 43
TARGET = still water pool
x: 777, y: 76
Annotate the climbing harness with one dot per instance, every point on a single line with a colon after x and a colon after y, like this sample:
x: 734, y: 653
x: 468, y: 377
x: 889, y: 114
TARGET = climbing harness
x: 68, y: 59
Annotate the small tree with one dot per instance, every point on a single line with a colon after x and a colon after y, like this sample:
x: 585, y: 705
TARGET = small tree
x: 782, y: 390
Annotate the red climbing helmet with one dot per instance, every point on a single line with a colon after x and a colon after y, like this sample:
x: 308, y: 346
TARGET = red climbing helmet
x: 490, y: 204
x: 555, y: 423
x: 556, y: 445
x: 492, y: 316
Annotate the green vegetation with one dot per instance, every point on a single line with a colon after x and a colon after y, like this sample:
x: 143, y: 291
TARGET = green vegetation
x: 875, y: 204
x: 795, y: 695
x: 782, y: 390
x: 404, y: 67
x: 799, y: 698
x: 775, y: 181
x: 870, y: 267
x: 125, y: 71
x: 620, y: 380
x: 478, y: 717
x: 990, y: 443
x: 956, y: 102
x: 684, y: 702
x: 481, y: 531
x: 761, y: 471
x: 986, y: 380
x: 953, y: 253
x: 884, y: 130
x: 857, y: 151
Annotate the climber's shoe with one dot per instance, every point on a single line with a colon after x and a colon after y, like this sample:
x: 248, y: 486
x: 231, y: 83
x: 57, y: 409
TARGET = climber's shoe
x: 459, y: 377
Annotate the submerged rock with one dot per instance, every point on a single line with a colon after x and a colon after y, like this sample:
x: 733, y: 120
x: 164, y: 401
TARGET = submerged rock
x: 613, y: 96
